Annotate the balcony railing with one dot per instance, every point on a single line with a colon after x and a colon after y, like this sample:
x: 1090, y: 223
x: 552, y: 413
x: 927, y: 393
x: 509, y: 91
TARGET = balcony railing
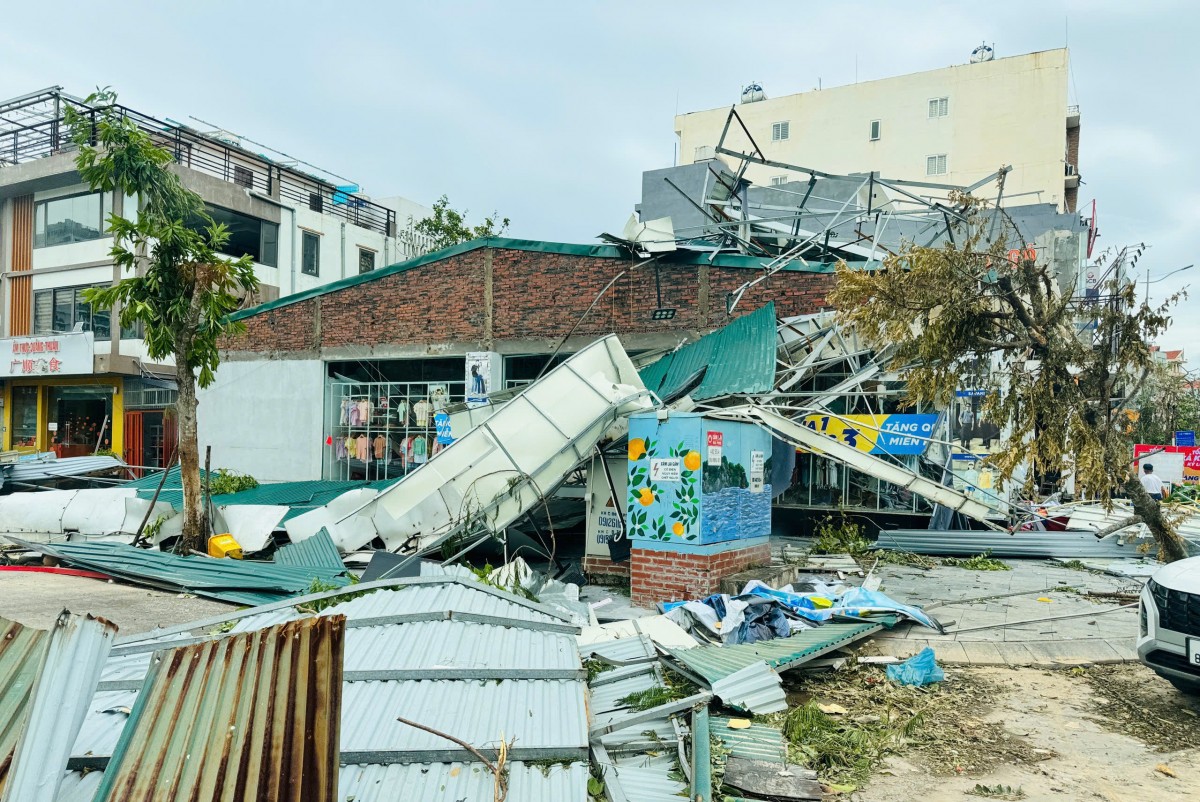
x: 226, y: 161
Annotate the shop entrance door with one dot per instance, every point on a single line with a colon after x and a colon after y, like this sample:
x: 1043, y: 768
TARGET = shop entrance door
x: 84, y: 418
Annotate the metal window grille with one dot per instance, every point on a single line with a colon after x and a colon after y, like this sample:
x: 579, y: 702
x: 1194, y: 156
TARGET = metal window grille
x: 780, y: 131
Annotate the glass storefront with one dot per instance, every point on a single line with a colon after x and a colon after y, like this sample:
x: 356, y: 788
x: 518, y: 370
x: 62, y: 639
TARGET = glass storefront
x: 379, y: 414
x: 24, y: 423
x: 80, y: 419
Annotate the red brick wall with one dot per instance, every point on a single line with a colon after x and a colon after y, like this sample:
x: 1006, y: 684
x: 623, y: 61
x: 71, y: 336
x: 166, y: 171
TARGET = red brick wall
x: 535, y: 295
x: 672, y: 576
x: 602, y: 566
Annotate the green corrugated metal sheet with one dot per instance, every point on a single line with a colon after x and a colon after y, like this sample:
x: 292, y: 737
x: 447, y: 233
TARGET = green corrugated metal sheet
x: 237, y: 581
x: 22, y: 651
x: 317, y: 550
x: 253, y: 716
x: 300, y: 496
x: 739, y: 358
x: 714, y: 663
x: 680, y: 257
x: 756, y: 742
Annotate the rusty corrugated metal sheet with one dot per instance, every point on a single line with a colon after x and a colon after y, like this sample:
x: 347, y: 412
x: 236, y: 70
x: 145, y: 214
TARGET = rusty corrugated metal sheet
x: 249, y: 717
x: 22, y: 650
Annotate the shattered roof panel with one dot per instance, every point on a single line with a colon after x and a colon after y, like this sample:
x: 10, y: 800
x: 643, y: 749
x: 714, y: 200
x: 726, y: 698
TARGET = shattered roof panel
x: 458, y: 645
x: 237, y: 581
x: 250, y: 716
x: 739, y: 358
x: 317, y: 550
x: 714, y: 663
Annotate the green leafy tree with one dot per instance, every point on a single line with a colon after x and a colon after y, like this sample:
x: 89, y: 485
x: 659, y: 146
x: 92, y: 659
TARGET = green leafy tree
x: 1063, y: 367
x: 175, y: 285
x: 447, y: 226
x: 1165, y: 405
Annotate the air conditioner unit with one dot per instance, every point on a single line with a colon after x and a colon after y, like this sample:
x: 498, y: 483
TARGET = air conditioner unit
x: 1070, y: 169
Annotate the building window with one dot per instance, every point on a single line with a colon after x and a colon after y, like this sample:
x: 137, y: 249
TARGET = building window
x: 366, y: 260
x: 78, y: 218
x: 874, y: 130
x: 58, y: 310
x: 778, y: 180
x: 310, y: 256
x: 248, y: 236
x: 243, y: 177
x: 935, y: 165
x: 939, y: 107
x: 780, y: 131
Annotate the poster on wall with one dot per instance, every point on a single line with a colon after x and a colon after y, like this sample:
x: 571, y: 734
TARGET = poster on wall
x: 877, y: 434
x: 439, y: 396
x: 757, y: 467
x: 716, y: 444
x: 483, y: 376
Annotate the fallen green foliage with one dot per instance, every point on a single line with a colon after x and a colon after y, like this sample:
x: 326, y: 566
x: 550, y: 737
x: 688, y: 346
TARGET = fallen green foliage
x: 1075, y: 565
x: 980, y: 562
x: 997, y: 791
x: 838, y: 750
x: 595, y: 668
x: 651, y: 697
x: 225, y: 481
x: 905, y: 558
x: 840, y: 537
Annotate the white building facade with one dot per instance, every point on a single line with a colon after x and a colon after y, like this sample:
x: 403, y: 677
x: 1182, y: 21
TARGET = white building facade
x: 301, y: 230
x: 954, y: 125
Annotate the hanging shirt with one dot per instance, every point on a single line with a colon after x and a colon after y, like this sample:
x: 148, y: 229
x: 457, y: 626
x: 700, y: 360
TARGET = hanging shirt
x: 364, y: 412
x: 350, y: 445
x: 402, y: 411
x: 422, y: 409
x: 420, y: 452
x: 438, y: 397
x: 360, y: 447
x: 352, y: 415
x: 380, y: 446
x: 339, y: 449
x: 345, y: 415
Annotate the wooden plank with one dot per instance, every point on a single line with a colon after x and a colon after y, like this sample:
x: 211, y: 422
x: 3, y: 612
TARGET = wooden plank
x: 771, y: 779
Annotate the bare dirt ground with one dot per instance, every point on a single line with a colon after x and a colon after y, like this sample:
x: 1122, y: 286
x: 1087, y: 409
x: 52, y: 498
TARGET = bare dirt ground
x: 1107, y: 733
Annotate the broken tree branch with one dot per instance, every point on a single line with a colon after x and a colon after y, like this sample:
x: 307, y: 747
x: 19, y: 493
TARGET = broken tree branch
x: 497, y: 769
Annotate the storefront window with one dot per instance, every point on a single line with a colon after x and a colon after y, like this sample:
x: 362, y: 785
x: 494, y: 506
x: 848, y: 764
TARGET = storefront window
x: 24, y: 417
x: 78, y: 218
x: 84, y: 418
x: 379, y: 415
x: 60, y: 309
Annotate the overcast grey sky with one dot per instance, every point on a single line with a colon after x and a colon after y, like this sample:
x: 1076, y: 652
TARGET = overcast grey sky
x: 549, y: 111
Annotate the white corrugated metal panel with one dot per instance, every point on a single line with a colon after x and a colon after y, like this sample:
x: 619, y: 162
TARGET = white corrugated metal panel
x: 455, y: 782
x: 637, y: 649
x: 437, y: 598
x: 100, y: 730
x: 58, y: 704
x: 456, y: 644
x: 646, y: 778
x: 756, y: 688
x: 542, y: 714
x: 78, y: 786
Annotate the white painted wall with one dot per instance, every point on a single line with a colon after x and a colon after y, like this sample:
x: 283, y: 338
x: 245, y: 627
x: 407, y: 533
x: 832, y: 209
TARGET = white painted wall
x: 264, y: 418
x: 1007, y: 111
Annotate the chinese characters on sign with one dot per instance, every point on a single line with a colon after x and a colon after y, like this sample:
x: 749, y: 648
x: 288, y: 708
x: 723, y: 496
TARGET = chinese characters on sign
x: 56, y: 355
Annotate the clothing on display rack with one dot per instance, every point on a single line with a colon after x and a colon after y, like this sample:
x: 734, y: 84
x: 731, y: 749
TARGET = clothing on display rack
x: 421, y: 410
x: 364, y: 411
x: 360, y: 447
x: 339, y: 448
x: 401, y: 407
x: 379, y: 444
x: 420, y: 450
x: 345, y: 411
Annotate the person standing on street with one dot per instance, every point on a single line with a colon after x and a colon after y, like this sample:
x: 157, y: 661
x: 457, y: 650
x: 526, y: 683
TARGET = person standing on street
x: 1153, y: 485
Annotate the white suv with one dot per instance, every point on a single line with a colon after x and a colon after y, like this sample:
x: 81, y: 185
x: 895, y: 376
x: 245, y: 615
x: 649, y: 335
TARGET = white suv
x: 1169, y: 631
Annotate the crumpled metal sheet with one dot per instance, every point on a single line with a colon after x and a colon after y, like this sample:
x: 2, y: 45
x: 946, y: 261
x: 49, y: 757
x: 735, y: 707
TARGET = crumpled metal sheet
x: 254, y: 716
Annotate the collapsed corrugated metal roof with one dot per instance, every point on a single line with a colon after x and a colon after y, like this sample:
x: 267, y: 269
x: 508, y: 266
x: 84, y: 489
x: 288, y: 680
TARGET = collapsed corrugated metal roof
x: 251, y: 716
x: 715, y: 663
x: 464, y: 658
x: 237, y: 581
x: 736, y: 359
x: 317, y: 550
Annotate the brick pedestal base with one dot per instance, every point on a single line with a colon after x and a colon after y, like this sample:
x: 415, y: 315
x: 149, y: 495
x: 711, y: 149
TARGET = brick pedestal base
x: 675, y: 575
x: 605, y: 569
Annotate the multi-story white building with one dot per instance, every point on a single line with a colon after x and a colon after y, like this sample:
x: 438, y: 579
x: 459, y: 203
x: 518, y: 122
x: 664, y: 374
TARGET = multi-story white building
x: 74, y: 381
x: 954, y: 125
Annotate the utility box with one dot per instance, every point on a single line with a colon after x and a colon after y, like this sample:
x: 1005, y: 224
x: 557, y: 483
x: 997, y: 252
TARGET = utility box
x: 696, y: 481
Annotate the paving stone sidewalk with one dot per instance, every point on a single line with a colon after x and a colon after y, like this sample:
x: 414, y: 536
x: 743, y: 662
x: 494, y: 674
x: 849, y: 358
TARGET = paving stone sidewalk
x: 983, y: 610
